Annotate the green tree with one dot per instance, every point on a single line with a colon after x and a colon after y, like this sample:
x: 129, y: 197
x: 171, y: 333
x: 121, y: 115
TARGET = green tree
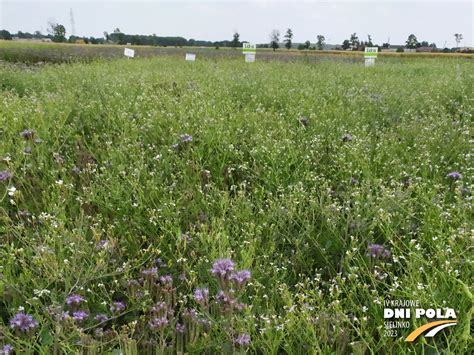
x: 58, y: 32
x: 235, y: 40
x: 4, y: 34
x: 289, y: 37
x: 369, y: 41
x: 320, y: 42
x: 275, y: 40
x: 458, y: 37
x: 346, y: 44
x: 354, y: 41
x: 307, y: 44
x: 412, y: 42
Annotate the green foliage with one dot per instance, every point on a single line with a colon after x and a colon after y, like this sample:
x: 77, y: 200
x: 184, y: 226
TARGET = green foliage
x: 4, y: 34
x: 274, y: 40
x: 288, y: 38
x: 412, y: 42
x: 321, y: 41
x: 235, y: 40
x: 267, y: 180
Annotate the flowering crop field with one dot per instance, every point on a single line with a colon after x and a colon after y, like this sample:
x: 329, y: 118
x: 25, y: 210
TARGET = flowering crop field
x: 159, y: 206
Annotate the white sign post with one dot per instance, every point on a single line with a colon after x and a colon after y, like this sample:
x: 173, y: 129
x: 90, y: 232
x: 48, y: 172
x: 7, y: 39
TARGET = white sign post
x: 370, y: 55
x: 249, y: 58
x: 191, y: 57
x: 130, y: 53
x: 249, y: 49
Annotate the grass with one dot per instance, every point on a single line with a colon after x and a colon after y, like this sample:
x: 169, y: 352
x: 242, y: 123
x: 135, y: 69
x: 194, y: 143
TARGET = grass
x: 293, y: 169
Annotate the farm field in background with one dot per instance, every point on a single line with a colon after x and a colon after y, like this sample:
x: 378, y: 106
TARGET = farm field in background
x: 157, y: 205
x: 58, y: 53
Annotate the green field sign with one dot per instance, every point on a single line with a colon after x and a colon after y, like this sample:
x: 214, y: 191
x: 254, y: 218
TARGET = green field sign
x: 249, y: 48
x: 371, y: 52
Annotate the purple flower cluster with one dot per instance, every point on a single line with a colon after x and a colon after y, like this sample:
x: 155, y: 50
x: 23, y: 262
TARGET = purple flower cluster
x: 6, y: 350
x: 166, y: 280
x: 186, y: 138
x: 28, y: 133
x: 201, y: 295
x: 158, y: 323
x: 102, y: 244
x: 242, y: 340
x: 222, y: 267
x: 101, y: 317
x: 5, y: 175
x: 454, y: 175
x: 23, y: 322
x: 346, y: 137
x: 378, y: 251
x: 80, y: 316
x: 117, y: 306
x: 153, y: 271
x: 180, y: 328
x: 74, y: 300
x: 240, y: 277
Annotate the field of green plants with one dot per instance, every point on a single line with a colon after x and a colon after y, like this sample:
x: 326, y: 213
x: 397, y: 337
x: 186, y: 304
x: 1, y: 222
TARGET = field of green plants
x: 160, y: 206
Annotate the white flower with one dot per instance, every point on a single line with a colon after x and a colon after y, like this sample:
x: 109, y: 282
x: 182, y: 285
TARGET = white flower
x: 11, y: 191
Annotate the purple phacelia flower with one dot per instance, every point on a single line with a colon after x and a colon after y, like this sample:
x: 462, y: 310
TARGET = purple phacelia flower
x: 74, y: 300
x: 304, y: 121
x: 117, y: 306
x: 166, y: 280
x: 242, y: 340
x: 101, y: 317
x: 157, y: 323
x: 378, y: 251
x: 64, y: 315
x: 6, y: 350
x: 191, y: 313
x: 240, y: 306
x: 347, y: 137
x: 201, y: 295
x: 158, y: 307
x: 28, y: 133
x: 102, y: 244
x: 226, y: 299
x: 153, y: 271
x: 240, y: 277
x: 23, y: 322
x: 454, y: 175
x: 180, y: 328
x: 80, y: 316
x: 27, y: 150
x: 38, y: 140
x: 222, y: 267
x: 186, y: 138
x: 354, y: 181
x: 5, y: 175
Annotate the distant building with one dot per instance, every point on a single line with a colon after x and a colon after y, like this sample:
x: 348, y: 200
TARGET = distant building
x: 425, y: 49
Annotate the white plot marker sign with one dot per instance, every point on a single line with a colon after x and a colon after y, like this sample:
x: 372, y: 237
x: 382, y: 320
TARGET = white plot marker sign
x: 130, y: 53
x: 249, y: 49
x: 191, y: 57
x: 249, y: 58
x: 370, y: 55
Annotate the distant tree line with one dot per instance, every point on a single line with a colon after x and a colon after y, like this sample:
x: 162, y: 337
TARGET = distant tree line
x: 57, y: 33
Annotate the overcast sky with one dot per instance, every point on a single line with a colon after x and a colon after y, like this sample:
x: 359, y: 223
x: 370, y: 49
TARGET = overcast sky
x: 433, y: 21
